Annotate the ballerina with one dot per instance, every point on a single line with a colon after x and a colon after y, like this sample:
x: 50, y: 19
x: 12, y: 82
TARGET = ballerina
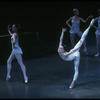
x: 74, y: 53
x: 16, y: 53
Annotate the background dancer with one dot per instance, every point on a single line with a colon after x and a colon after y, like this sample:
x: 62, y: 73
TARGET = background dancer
x: 97, y: 19
x: 75, y: 28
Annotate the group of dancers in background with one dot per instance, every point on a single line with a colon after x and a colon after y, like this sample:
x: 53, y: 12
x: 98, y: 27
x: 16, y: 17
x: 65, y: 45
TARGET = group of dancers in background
x: 73, y: 54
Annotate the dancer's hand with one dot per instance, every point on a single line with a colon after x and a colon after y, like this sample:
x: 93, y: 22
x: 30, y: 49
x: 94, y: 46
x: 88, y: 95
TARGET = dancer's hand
x: 64, y: 29
x: 92, y: 21
x: 9, y: 27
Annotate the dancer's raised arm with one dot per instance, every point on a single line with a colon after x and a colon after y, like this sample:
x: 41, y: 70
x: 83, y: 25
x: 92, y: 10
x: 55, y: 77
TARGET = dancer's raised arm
x: 62, y: 36
x: 9, y: 28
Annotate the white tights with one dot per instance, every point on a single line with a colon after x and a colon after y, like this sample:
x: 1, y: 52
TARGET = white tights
x: 20, y: 61
x: 77, y: 58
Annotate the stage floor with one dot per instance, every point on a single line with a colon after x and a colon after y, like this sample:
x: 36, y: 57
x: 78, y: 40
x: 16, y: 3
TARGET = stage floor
x: 50, y: 77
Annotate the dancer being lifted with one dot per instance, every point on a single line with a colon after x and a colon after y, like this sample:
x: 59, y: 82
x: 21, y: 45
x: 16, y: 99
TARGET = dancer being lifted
x: 16, y: 53
x: 74, y: 53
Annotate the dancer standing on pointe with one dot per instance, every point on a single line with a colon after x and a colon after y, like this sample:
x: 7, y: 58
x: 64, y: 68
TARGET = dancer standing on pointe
x: 16, y: 53
x: 97, y: 19
x: 74, y: 53
x: 75, y: 28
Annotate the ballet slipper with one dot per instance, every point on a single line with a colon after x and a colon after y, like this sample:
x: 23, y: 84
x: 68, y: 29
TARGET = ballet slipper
x: 26, y: 80
x: 8, y: 77
x: 91, y: 23
x: 97, y: 55
x: 71, y: 86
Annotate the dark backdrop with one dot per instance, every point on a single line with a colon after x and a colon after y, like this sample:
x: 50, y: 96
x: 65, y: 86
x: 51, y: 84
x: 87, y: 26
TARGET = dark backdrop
x: 43, y: 17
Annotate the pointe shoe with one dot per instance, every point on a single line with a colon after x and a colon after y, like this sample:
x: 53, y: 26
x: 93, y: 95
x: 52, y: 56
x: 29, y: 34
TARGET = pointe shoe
x: 64, y: 29
x: 8, y: 77
x: 92, y: 21
x: 71, y: 86
x: 85, y: 50
x: 97, y: 55
x: 26, y: 80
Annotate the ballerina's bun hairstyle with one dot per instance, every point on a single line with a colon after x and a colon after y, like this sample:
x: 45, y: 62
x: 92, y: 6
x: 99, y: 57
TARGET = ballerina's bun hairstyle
x: 74, y: 10
x: 17, y: 25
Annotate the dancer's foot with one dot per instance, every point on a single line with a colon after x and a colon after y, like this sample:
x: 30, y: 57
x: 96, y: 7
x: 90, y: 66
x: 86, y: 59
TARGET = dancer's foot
x: 8, y: 77
x: 86, y: 52
x: 64, y: 29
x: 71, y: 86
x: 97, y: 55
x: 26, y: 80
x: 91, y: 23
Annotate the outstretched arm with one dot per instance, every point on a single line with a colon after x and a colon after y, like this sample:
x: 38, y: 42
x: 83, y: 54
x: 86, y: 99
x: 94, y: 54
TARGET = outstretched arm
x: 9, y: 30
x: 62, y: 35
x: 84, y: 21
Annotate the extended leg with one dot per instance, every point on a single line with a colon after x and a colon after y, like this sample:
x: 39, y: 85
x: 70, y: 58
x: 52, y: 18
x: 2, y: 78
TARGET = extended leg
x: 79, y: 44
x: 20, y: 61
x: 86, y: 31
x: 85, y: 47
x: 9, y: 66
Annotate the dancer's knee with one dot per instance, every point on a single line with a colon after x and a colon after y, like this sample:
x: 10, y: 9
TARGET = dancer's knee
x: 21, y: 64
